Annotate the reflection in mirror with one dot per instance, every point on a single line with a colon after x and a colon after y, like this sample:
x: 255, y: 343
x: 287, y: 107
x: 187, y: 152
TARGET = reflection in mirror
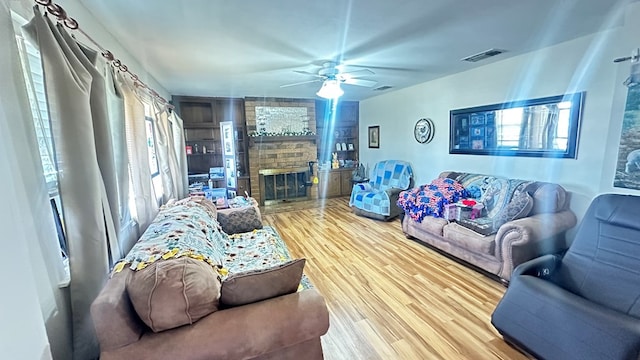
x: 545, y: 127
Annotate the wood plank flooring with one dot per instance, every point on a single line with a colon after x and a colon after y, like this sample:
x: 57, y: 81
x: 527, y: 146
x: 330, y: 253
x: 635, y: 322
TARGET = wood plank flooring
x: 390, y: 297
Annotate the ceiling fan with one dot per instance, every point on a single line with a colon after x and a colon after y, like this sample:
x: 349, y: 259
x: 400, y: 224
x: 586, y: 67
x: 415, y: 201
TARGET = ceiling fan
x: 332, y: 78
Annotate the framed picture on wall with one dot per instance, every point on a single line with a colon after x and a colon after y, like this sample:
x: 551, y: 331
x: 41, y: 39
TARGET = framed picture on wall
x: 374, y: 137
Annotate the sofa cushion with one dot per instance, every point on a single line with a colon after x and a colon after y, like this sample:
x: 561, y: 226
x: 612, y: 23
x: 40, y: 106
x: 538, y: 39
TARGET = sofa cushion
x: 548, y: 197
x: 519, y: 207
x: 431, y: 225
x: 256, y: 285
x: 239, y: 220
x: 469, y: 239
x: 170, y: 293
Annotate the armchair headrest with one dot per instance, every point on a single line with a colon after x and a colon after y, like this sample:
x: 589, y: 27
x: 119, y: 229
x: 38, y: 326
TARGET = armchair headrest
x: 620, y: 210
x: 391, y: 174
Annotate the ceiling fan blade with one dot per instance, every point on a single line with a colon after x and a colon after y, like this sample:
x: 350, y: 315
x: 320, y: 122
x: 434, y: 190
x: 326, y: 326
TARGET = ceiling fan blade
x: 362, y: 72
x: 300, y: 83
x: 308, y: 73
x: 360, y: 82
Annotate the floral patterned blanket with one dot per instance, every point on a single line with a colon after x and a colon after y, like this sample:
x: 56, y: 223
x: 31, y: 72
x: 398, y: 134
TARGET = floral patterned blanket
x: 184, y: 228
x: 429, y: 200
x: 259, y: 249
x: 189, y: 228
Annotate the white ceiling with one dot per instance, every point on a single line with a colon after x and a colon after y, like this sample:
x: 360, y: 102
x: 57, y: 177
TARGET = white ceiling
x: 251, y: 47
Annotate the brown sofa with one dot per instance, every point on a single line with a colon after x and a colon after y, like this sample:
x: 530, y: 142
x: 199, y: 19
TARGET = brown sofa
x: 285, y: 327
x: 540, y: 231
x: 175, y: 306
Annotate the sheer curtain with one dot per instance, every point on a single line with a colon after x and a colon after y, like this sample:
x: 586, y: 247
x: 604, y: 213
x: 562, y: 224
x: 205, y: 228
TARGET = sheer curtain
x: 127, y: 235
x: 170, y: 139
x: 33, y: 268
x: 80, y: 147
x: 146, y: 205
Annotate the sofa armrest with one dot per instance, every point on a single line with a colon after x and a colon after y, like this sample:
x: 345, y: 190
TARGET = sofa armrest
x: 521, y: 240
x: 114, y: 318
x: 393, y: 192
x: 237, y: 333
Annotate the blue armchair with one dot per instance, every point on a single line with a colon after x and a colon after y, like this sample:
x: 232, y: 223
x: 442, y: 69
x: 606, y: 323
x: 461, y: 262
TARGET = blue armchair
x: 377, y: 198
x: 585, y: 304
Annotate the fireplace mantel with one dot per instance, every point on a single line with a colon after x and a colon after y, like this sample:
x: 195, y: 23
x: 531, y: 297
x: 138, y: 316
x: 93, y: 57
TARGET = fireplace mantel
x: 264, y: 139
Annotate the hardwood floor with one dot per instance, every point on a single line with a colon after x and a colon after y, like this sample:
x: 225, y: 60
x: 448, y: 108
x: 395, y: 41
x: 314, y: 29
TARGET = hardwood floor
x: 390, y: 297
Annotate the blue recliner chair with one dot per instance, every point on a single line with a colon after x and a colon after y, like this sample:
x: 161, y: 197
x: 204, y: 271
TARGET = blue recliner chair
x: 585, y: 304
x: 377, y: 198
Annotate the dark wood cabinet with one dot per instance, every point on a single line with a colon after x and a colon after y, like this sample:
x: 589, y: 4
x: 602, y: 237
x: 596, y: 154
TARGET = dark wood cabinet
x: 334, y: 183
x: 201, y: 118
x: 243, y: 185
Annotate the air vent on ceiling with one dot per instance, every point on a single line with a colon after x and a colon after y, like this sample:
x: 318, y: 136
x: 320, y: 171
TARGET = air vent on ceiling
x: 382, y: 88
x: 483, y: 55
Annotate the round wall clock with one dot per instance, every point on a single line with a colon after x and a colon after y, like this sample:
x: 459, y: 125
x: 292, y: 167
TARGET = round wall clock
x: 424, y: 131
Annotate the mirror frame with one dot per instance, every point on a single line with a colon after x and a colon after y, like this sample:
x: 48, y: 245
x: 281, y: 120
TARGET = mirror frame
x: 577, y: 101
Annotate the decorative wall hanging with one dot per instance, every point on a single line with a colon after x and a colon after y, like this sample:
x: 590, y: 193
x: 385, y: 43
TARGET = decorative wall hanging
x: 424, y: 131
x: 544, y: 127
x: 628, y: 164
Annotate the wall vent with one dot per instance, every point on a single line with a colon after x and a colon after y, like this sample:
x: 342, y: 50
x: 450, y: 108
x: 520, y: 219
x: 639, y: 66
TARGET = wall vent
x: 382, y: 88
x: 483, y: 55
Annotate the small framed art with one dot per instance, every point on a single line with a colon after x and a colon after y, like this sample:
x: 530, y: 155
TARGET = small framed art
x: 374, y: 137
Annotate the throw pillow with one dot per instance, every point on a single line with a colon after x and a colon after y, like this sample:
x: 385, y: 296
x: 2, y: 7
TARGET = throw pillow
x: 519, y: 206
x: 171, y: 293
x: 256, y: 285
x: 239, y: 220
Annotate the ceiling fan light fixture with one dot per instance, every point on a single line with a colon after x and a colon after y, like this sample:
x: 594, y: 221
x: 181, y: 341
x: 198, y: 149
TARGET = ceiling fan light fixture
x: 330, y: 89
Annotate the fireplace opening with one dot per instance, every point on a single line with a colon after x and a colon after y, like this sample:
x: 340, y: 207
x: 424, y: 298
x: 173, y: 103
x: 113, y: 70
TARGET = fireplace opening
x: 280, y: 185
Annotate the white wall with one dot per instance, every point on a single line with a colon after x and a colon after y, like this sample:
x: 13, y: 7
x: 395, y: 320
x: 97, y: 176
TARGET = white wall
x: 584, y: 64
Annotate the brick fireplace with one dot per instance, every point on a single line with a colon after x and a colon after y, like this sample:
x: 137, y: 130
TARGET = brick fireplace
x: 283, y: 154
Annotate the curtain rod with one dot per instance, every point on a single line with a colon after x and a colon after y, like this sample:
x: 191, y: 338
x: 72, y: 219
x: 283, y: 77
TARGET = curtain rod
x: 69, y: 22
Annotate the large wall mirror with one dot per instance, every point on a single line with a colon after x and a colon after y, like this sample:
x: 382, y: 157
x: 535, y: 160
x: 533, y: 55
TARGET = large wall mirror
x: 544, y: 127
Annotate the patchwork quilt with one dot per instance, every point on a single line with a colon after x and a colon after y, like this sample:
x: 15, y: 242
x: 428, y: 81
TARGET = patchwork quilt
x: 372, y: 196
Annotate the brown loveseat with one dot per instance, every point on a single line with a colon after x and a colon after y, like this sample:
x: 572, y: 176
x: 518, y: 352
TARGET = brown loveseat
x: 286, y: 326
x: 541, y: 230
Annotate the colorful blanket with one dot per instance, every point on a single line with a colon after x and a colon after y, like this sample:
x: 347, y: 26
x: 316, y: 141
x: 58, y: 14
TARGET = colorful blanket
x: 372, y: 196
x: 429, y: 200
x: 189, y: 228
x: 185, y: 228
x: 259, y: 249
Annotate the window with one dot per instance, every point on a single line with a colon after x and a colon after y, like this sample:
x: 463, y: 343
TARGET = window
x: 151, y: 147
x: 154, y: 168
x: 34, y: 79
